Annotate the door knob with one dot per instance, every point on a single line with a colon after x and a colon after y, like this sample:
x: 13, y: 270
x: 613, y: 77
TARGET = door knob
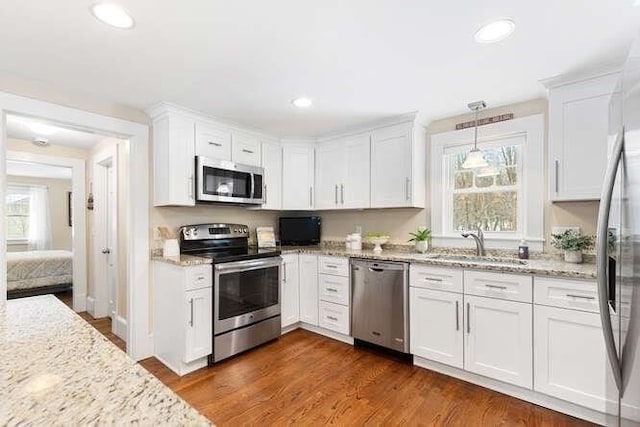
x: 106, y: 251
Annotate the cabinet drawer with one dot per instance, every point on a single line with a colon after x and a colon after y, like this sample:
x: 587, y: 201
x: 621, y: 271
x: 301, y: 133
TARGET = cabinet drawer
x: 212, y: 142
x: 438, y: 278
x: 334, y: 317
x: 563, y: 293
x: 338, y: 266
x: 245, y: 150
x: 334, y: 289
x: 198, y: 277
x: 513, y: 287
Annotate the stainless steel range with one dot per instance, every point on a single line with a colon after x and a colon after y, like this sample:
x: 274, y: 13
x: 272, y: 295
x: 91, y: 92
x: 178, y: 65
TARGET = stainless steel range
x: 246, y: 286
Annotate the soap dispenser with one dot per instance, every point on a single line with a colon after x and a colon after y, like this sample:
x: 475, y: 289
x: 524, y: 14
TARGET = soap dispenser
x: 523, y: 250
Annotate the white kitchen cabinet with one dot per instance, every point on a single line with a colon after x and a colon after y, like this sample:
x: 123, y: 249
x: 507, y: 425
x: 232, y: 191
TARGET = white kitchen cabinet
x: 570, y: 360
x: 578, y: 135
x: 173, y: 160
x: 498, y: 339
x: 245, y: 149
x: 183, y: 315
x: 308, y: 265
x: 290, y: 290
x: 334, y: 289
x: 398, y: 166
x: 514, y: 287
x: 331, y: 163
x: 272, y: 165
x: 436, y: 326
x: 297, y: 177
x: 334, y: 317
x: 213, y: 141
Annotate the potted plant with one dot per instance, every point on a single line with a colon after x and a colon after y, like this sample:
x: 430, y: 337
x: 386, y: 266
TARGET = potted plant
x: 421, y: 237
x: 572, y: 243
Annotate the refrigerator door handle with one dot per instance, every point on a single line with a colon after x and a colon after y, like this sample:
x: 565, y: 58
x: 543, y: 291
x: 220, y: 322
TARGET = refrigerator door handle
x: 602, y: 260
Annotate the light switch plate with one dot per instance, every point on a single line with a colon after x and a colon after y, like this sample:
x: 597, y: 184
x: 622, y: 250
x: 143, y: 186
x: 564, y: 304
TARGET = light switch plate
x: 562, y: 229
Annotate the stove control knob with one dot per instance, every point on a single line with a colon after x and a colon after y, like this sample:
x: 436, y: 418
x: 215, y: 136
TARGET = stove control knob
x: 246, y: 230
x: 194, y: 232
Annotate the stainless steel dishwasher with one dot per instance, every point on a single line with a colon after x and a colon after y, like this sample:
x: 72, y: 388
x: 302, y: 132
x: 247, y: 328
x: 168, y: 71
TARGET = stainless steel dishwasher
x: 380, y: 303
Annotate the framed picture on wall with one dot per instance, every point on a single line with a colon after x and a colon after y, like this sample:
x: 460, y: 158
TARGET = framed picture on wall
x: 70, y: 207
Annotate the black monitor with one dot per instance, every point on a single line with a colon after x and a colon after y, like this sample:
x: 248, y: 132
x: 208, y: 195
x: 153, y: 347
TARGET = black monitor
x: 300, y: 231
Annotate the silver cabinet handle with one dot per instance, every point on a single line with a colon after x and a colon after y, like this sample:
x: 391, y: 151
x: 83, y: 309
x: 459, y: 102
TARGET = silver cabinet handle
x: 200, y: 277
x: 191, y: 187
x: 265, y: 194
x: 468, y: 318
x: 106, y: 251
x: 342, y: 193
x: 406, y: 188
x: 602, y: 258
x: 244, y: 150
x: 336, y: 194
x: 311, y: 196
x: 331, y: 266
x: 457, y: 316
x: 335, y: 319
x: 557, y: 172
x: 502, y: 288
x: 284, y: 271
x: 433, y: 279
x: 581, y: 296
x: 191, y: 309
x: 332, y: 290
x: 217, y: 144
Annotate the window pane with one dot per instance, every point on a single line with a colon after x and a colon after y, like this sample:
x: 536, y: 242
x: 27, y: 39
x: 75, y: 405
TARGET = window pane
x: 17, y: 212
x: 484, y: 181
x: 17, y: 227
x: 492, y: 211
x: 464, y: 180
x: 507, y: 176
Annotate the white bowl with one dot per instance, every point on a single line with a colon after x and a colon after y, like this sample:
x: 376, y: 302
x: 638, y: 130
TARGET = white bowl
x: 378, y: 241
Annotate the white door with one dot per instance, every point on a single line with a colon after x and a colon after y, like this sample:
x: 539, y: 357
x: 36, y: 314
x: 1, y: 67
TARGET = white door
x: 570, y: 360
x: 198, y: 324
x: 272, y: 164
x: 391, y: 167
x: 112, y: 243
x: 290, y: 291
x: 499, y: 339
x: 436, y: 326
x: 331, y: 164
x: 308, y: 265
x: 355, y: 189
x: 297, y: 177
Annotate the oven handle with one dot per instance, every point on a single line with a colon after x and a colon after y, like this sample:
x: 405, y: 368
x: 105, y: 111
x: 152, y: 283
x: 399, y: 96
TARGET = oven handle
x: 237, y: 266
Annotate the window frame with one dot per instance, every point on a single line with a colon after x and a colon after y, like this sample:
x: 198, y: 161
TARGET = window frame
x: 27, y: 188
x: 530, y: 180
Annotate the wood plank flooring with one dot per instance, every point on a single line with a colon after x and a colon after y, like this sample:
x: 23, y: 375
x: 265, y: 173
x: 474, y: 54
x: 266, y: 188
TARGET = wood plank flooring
x: 307, y: 379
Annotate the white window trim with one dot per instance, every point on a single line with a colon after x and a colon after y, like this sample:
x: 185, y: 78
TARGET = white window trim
x: 532, y: 181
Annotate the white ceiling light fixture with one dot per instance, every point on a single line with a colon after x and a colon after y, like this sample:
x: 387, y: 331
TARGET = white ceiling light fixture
x: 495, y: 31
x: 302, y: 102
x: 475, y: 159
x: 42, y: 129
x: 113, y: 14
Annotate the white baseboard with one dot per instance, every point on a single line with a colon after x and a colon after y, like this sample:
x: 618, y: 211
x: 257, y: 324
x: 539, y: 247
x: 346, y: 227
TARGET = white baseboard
x: 91, y: 306
x: 120, y: 328
x: 79, y: 302
x: 143, y: 349
x: 327, y: 333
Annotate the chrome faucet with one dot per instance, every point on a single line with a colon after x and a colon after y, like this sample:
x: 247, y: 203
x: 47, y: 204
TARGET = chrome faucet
x: 479, y: 238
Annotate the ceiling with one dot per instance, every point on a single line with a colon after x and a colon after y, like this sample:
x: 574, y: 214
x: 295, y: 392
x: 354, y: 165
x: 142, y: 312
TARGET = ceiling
x: 27, y: 129
x: 359, y: 60
x: 37, y: 170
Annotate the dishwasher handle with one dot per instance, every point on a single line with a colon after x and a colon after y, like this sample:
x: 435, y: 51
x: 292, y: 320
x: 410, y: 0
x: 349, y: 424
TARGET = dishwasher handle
x: 379, y: 267
x: 376, y: 269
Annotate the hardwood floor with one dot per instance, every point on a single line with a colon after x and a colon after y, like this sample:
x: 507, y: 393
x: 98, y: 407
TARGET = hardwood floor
x: 307, y: 379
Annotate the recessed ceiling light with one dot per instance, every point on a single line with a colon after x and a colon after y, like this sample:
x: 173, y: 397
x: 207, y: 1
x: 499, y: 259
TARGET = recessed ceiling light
x: 302, y: 102
x: 112, y: 14
x: 495, y: 31
x: 42, y: 129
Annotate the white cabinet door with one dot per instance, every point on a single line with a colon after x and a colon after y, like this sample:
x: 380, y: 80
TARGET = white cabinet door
x: 245, y: 149
x: 272, y: 164
x: 498, y: 339
x: 308, y: 265
x: 391, y: 167
x: 297, y: 177
x: 578, y: 134
x: 290, y: 291
x: 570, y: 357
x: 436, y: 326
x: 213, y: 142
x: 331, y: 164
x: 198, y: 324
x: 355, y: 189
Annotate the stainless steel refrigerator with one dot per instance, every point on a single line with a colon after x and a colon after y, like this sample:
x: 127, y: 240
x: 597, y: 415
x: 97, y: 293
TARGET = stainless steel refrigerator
x: 618, y: 248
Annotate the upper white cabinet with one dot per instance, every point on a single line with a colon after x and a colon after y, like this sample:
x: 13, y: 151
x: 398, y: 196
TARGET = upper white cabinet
x: 213, y: 142
x: 297, y: 177
x: 245, y: 149
x: 173, y: 160
x: 272, y: 165
x: 578, y: 134
x: 398, y: 166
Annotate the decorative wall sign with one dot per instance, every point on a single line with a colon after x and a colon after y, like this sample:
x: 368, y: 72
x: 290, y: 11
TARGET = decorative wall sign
x: 485, y: 121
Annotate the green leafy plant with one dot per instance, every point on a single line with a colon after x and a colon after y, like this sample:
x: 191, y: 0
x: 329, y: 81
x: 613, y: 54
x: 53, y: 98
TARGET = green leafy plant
x: 420, y: 235
x: 571, y: 240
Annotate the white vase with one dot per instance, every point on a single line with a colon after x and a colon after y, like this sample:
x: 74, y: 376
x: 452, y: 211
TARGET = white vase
x: 422, y: 246
x: 574, y: 257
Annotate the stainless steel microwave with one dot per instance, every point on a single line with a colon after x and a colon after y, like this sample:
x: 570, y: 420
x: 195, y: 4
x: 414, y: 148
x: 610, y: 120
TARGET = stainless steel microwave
x: 228, y: 182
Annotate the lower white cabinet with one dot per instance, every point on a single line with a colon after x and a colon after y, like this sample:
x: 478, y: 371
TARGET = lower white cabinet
x: 435, y: 323
x: 308, y: 265
x: 570, y: 360
x: 334, y: 317
x: 290, y: 291
x: 198, y: 339
x: 498, y: 339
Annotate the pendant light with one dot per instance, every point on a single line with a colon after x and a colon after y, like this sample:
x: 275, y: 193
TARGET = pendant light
x: 475, y: 159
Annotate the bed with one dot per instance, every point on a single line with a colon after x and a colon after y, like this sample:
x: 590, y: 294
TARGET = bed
x: 38, y: 272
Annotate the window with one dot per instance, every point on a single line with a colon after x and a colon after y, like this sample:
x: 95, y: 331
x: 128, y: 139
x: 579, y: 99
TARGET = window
x: 18, y: 207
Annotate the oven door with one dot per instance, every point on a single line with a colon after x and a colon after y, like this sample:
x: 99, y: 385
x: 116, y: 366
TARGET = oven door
x: 224, y: 181
x: 245, y: 292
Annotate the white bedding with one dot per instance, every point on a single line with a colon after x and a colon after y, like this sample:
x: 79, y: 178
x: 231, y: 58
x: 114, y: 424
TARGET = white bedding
x: 37, y: 269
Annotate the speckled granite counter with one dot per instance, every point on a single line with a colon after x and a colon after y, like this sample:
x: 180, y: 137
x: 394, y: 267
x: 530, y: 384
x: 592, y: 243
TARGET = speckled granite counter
x: 58, y: 370
x: 183, y: 260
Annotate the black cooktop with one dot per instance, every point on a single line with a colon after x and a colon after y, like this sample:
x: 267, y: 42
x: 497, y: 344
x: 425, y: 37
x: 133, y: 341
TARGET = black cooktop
x: 237, y: 254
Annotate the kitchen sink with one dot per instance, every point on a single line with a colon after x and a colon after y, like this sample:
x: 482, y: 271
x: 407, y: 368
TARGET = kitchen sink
x: 475, y: 259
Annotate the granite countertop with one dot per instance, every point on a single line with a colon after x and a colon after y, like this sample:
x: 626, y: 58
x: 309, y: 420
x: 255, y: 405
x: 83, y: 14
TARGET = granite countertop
x: 58, y: 370
x: 182, y: 260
